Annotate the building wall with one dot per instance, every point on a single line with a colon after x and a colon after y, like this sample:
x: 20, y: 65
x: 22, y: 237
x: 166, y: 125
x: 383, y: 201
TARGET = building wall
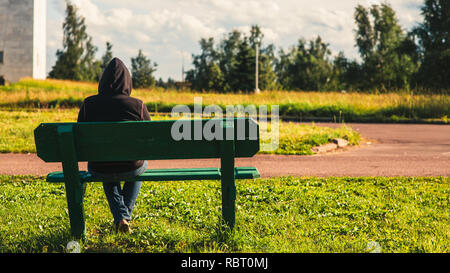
x: 22, y: 39
x: 40, y: 40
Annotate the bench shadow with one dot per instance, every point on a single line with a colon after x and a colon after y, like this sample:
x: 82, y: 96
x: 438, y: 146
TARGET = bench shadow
x: 43, y: 243
x: 217, y: 238
x: 221, y: 238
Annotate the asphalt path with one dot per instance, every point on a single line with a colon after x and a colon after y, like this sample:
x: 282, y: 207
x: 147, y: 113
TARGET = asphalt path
x: 387, y: 150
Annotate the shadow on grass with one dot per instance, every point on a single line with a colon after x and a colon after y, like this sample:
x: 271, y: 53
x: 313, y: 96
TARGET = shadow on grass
x: 45, y: 242
x: 162, y: 239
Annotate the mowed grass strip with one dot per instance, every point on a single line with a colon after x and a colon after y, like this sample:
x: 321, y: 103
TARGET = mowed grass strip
x: 350, y: 106
x: 16, y: 131
x: 273, y: 215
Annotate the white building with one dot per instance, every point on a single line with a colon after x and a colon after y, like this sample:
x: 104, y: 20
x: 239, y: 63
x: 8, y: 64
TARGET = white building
x: 22, y: 39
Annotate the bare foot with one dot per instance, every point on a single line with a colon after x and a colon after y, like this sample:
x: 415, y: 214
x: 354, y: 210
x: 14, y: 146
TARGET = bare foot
x: 124, y: 226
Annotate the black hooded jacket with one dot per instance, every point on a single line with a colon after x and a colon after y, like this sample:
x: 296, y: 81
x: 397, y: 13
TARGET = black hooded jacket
x: 113, y: 103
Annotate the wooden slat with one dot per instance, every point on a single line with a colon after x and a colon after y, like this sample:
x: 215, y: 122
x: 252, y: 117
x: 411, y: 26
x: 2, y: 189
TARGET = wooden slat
x: 169, y: 175
x: 151, y: 140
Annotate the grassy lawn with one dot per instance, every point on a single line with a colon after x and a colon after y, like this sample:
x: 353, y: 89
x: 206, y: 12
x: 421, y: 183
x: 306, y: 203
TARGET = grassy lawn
x: 16, y: 131
x: 391, y: 107
x: 273, y: 215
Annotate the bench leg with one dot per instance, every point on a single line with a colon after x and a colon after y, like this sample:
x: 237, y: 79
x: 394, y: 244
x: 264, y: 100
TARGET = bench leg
x: 227, y: 177
x: 74, y: 187
x: 75, y: 196
x: 228, y: 201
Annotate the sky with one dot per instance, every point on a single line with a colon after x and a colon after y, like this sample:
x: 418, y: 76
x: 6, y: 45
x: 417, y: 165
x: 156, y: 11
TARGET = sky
x: 168, y: 32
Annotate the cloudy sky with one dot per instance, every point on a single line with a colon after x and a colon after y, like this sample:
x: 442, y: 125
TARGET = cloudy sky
x: 168, y: 31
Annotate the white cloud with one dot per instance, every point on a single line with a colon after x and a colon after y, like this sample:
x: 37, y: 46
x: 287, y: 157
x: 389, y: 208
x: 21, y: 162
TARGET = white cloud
x: 168, y: 30
x: 90, y: 11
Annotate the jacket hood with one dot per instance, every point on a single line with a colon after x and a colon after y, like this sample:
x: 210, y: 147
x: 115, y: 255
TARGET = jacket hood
x: 115, y: 79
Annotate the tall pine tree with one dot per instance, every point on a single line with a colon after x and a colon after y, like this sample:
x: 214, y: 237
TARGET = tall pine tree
x: 76, y: 60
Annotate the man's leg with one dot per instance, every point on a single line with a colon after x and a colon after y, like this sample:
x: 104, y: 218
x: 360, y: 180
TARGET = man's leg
x: 116, y: 202
x: 130, y: 194
x: 131, y: 189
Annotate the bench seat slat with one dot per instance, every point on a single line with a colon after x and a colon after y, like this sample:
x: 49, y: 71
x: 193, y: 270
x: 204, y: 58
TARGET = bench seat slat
x: 168, y: 175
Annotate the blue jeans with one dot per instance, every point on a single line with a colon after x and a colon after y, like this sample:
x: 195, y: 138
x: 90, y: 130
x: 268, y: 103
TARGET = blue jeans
x: 121, y: 201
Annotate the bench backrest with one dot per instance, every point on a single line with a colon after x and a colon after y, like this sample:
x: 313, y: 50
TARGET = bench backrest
x: 143, y: 140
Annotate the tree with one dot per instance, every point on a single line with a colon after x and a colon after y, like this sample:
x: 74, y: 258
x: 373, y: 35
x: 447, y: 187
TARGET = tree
x: 230, y: 66
x: 347, y: 74
x: 169, y: 84
x: 239, y: 55
x: 243, y: 72
x: 206, y: 74
x: 434, y: 40
x: 282, y: 67
x: 142, y: 71
x: 266, y: 60
x: 76, y: 60
x: 91, y: 69
x: 381, y: 43
x: 267, y: 77
x: 306, y: 67
x: 107, y: 57
x: 227, y: 52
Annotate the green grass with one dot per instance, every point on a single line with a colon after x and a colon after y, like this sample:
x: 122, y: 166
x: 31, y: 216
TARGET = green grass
x: 273, y: 215
x: 296, y: 139
x: 16, y: 131
x: 16, y: 127
x: 348, y: 107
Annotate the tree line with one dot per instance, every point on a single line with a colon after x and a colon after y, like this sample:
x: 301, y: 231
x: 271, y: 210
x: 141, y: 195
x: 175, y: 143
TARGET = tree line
x: 390, y: 57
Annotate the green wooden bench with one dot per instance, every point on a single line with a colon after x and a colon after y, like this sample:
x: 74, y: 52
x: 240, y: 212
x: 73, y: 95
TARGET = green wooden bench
x: 70, y: 143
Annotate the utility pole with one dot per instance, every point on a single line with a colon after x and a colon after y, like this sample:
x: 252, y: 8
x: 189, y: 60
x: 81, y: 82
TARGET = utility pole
x: 257, y: 91
x: 182, y: 69
x: 183, y: 84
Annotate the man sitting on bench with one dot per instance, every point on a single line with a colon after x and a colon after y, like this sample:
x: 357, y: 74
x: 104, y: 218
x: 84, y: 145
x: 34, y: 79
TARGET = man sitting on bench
x: 113, y: 103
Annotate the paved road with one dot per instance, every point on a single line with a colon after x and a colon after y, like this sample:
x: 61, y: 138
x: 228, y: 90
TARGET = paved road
x: 395, y: 150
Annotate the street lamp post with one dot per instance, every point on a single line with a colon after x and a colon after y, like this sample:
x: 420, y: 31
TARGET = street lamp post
x: 256, y: 65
